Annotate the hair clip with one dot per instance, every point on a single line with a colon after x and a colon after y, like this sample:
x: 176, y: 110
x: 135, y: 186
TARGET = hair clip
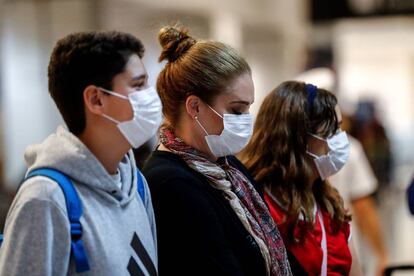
x: 311, y: 90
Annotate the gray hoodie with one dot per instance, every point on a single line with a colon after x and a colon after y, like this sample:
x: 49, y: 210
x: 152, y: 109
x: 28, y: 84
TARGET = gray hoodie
x: 37, y: 231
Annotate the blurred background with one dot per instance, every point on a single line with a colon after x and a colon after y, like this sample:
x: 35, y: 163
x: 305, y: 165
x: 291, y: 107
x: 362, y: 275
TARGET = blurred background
x: 363, y: 51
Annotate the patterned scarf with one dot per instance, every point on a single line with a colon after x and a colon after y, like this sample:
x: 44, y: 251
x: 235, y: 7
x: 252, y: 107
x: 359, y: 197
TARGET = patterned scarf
x: 242, y: 197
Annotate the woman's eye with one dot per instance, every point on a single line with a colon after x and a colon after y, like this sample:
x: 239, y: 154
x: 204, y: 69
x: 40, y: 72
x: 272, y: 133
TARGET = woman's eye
x: 139, y: 85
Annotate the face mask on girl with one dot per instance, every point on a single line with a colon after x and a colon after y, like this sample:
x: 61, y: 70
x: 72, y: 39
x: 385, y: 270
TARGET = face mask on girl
x: 147, y: 109
x: 330, y: 163
x: 236, y: 134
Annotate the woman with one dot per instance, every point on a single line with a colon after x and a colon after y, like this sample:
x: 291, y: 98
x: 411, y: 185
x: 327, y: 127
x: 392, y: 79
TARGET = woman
x: 296, y: 144
x: 210, y: 218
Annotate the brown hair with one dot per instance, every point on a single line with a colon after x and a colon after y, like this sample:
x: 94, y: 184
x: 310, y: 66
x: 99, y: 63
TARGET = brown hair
x: 82, y: 59
x: 276, y: 154
x: 201, y: 68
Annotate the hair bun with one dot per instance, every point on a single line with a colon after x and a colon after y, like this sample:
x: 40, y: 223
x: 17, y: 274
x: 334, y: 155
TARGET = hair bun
x: 174, y: 41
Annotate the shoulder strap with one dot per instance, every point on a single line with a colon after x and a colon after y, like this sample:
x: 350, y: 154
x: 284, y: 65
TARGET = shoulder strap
x: 74, y: 209
x: 141, y: 187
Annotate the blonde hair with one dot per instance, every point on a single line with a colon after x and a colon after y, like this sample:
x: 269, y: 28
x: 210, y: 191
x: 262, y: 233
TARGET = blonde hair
x: 201, y: 68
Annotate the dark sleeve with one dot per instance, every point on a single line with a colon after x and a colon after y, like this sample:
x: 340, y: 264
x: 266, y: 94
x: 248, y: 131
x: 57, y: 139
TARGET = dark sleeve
x: 191, y: 238
x: 410, y: 194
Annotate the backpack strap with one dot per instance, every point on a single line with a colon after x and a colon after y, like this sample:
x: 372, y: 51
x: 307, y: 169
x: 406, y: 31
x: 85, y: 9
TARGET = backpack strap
x: 140, y: 186
x: 410, y: 195
x: 74, y: 209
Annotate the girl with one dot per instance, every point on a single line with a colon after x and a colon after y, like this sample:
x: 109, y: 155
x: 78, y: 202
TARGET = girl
x: 297, y: 143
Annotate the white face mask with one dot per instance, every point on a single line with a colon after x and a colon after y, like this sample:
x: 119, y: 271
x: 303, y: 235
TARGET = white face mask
x: 147, y: 109
x: 330, y: 163
x: 236, y: 134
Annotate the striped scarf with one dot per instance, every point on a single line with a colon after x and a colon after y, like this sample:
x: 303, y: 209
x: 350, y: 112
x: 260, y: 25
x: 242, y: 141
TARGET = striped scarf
x: 242, y: 197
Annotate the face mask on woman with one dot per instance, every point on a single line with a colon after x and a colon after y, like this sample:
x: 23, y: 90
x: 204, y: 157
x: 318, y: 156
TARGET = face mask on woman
x: 330, y: 163
x: 236, y: 134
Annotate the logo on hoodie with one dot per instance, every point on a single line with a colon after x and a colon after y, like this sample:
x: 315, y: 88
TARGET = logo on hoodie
x: 134, y: 268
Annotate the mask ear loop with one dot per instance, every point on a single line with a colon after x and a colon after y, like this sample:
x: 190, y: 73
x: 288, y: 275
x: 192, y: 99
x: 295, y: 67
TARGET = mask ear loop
x: 316, y: 137
x: 114, y: 93
x: 218, y: 114
x: 198, y: 122
x: 110, y: 119
x: 312, y: 154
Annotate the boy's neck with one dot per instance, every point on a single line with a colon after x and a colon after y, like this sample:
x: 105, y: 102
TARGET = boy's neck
x: 108, y: 151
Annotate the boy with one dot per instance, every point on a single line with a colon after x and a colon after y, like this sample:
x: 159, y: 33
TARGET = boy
x: 99, y: 84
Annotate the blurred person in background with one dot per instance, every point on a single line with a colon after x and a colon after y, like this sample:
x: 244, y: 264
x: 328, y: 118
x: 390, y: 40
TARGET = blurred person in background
x: 368, y: 129
x: 296, y: 145
x: 357, y: 183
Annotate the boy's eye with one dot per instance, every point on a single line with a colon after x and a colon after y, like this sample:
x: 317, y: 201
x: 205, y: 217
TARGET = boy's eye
x: 138, y: 85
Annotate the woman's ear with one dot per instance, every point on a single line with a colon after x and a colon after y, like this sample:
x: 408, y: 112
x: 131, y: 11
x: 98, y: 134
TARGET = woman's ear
x: 93, y: 98
x: 192, y: 105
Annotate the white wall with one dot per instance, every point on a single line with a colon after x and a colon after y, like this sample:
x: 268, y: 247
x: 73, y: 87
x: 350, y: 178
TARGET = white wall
x: 375, y: 60
x: 270, y: 33
x: 29, y: 31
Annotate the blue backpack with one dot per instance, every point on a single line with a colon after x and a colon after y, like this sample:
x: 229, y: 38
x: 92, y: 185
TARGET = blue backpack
x: 410, y: 194
x: 74, y: 208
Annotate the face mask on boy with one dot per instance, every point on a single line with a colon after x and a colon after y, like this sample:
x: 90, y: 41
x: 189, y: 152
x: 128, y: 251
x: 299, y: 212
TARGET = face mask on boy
x: 147, y: 109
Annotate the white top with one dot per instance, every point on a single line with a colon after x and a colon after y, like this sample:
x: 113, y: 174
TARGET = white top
x: 117, y: 179
x: 356, y: 179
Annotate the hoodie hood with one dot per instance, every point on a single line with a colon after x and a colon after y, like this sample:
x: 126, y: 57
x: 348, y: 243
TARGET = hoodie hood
x: 63, y: 151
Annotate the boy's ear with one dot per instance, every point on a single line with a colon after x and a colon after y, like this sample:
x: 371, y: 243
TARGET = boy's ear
x: 93, y: 97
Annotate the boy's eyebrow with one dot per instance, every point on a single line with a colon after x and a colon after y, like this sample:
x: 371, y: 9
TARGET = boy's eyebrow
x: 140, y: 77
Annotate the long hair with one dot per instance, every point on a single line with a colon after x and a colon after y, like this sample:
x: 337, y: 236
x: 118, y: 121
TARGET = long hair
x: 276, y: 155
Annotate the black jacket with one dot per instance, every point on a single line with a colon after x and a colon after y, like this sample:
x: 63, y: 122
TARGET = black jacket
x: 198, y: 231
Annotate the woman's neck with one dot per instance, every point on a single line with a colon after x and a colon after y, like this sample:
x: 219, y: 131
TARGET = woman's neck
x: 195, y: 140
